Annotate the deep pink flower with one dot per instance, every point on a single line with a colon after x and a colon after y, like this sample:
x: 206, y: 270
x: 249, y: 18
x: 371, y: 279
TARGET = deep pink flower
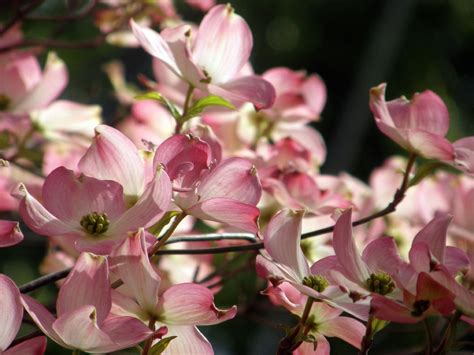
x: 84, y: 320
x: 221, y: 48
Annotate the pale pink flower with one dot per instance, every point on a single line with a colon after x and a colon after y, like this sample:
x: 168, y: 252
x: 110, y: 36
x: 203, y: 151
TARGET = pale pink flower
x: 221, y: 47
x: 92, y: 212
x: 180, y: 307
x: 464, y: 154
x: 10, y: 233
x: 84, y: 321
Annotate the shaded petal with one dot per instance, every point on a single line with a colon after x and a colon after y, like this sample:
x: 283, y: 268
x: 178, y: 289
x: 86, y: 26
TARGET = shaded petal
x: 42, y: 318
x: 11, y: 311
x: 456, y: 260
x: 155, y: 45
x: 223, y: 44
x: 348, y: 329
x: 112, y: 156
x: 234, y: 178
x: 125, y: 332
x: 246, y: 89
x: 382, y: 255
x: 35, y: 346
x: 52, y: 83
x: 10, y: 233
x: 434, y: 235
x: 314, y: 93
x: 391, y: 310
x: 189, y: 341
x: 87, y: 284
x: 191, y: 304
x: 79, y: 330
x: 420, y: 257
x: 282, y: 241
x: 430, y: 145
x: 346, y: 251
x: 133, y: 266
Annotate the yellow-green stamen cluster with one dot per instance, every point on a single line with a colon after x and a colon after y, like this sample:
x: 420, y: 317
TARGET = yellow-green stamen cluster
x: 316, y: 282
x: 95, y: 223
x: 4, y: 102
x: 419, y: 307
x: 380, y: 283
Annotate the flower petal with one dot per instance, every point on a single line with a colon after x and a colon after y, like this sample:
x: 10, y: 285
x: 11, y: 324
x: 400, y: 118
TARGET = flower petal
x: 464, y: 154
x: 346, y: 251
x: 189, y: 341
x: 112, y: 156
x: 434, y: 235
x: 223, y: 44
x: 191, y: 304
x: 282, y: 241
x: 11, y: 311
x: 348, y: 329
x: 131, y: 262
x: 87, y: 284
x: 10, y: 233
x: 35, y: 346
x: 125, y: 332
x: 382, y: 255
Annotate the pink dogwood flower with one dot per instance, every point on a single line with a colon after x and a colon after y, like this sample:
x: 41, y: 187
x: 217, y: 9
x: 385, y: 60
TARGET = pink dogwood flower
x: 227, y: 192
x: 211, y: 59
x: 418, y: 125
x: 10, y: 233
x: 11, y: 315
x: 91, y: 212
x: 84, y: 320
x: 180, y: 307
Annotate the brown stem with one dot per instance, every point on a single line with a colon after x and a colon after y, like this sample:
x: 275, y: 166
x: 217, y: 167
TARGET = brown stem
x: 149, y: 341
x: 162, y: 241
x: 367, y: 339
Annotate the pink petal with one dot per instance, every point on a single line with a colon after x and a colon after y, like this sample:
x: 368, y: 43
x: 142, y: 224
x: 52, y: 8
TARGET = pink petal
x: 388, y: 309
x: 11, y: 311
x: 52, y: 83
x: 430, y: 145
x: 19, y: 75
x: 189, y: 341
x: 148, y: 209
x: 234, y: 178
x: 434, y: 235
x: 78, y: 329
x: 191, y: 304
x: 10, y: 233
x: 133, y: 266
x: 382, y: 255
x: 87, y: 284
x: 112, y: 156
x: 246, y: 89
x: 420, y: 257
x: 125, y: 332
x: 155, y: 45
x: 69, y: 198
x: 35, y: 346
x: 464, y: 154
x: 223, y: 44
x: 183, y: 156
x: 314, y: 92
x: 282, y: 241
x: 42, y: 318
x: 456, y: 260
x: 231, y: 212
x: 429, y: 289
x: 346, y: 251
x: 348, y: 329
x: 39, y: 219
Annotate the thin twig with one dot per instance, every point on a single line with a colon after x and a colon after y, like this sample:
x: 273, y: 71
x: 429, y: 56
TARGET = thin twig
x: 44, y: 280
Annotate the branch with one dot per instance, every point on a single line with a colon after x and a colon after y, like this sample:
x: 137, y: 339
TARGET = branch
x: 44, y: 280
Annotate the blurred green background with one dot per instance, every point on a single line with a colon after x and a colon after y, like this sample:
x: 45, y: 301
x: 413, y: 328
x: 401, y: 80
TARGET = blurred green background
x: 412, y: 45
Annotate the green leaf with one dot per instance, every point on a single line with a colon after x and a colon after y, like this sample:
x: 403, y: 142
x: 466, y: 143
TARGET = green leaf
x: 423, y: 171
x: 161, y: 346
x: 201, y: 104
x: 378, y: 325
x: 153, y: 95
x: 158, y: 226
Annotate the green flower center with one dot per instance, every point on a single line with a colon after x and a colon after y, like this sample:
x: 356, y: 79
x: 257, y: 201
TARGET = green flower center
x: 316, y: 282
x: 419, y: 307
x: 4, y: 102
x: 380, y: 283
x: 95, y: 223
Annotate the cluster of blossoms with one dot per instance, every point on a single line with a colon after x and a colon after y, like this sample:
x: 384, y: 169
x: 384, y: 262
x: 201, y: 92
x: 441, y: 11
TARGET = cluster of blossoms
x: 211, y: 145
